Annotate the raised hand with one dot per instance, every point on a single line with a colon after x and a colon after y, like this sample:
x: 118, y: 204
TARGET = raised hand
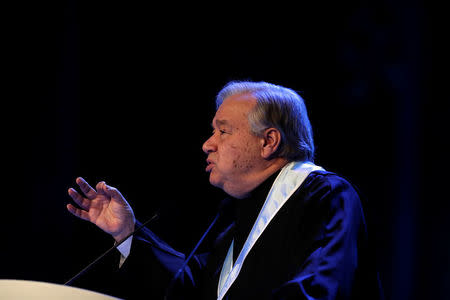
x: 104, y: 206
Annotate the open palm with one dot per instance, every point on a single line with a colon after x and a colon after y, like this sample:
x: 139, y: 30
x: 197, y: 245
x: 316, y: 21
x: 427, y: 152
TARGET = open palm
x: 104, y: 206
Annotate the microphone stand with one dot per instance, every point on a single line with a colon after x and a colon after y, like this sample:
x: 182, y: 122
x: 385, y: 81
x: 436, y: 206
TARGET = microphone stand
x: 186, y: 261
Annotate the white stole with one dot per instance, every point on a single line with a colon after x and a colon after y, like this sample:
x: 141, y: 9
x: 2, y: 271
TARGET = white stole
x: 287, y: 182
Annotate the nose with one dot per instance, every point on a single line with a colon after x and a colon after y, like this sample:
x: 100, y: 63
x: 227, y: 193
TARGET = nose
x: 209, y: 145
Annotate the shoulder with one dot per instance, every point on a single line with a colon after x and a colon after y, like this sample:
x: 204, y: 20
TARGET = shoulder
x: 325, y: 181
x: 324, y: 188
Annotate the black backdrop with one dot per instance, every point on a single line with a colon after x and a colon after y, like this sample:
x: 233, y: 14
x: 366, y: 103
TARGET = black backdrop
x: 124, y: 92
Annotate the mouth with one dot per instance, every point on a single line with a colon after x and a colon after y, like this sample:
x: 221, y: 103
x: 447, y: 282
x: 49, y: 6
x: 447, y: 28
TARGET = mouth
x: 209, y: 165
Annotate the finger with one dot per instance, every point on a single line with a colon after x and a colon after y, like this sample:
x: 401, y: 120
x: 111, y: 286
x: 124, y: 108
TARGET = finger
x: 78, y: 199
x: 82, y: 214
x: 100, y: 187
x: 112, y: 192
x: 88, y: 191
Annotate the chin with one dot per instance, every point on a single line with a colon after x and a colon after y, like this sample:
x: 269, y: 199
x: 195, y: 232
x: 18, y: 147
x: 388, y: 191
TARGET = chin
x: 214, y: 181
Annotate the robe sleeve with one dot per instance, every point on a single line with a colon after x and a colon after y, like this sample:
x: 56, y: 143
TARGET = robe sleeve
x: 151, y: 266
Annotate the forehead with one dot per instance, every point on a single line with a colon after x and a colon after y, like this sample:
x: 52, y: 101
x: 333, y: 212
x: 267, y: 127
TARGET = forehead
x: 235, y: 109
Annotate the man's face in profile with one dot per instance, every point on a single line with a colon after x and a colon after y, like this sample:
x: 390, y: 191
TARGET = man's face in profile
x: 233, y: 151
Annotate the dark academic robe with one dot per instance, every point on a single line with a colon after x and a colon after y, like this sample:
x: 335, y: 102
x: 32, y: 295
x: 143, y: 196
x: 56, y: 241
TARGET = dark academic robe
x: 316, y: 247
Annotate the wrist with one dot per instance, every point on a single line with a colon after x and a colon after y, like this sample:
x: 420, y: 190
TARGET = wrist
x: 119, y: 237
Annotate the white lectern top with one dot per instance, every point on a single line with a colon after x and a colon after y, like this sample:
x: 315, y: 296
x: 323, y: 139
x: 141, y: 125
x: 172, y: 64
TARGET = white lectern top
x: 36, y: 290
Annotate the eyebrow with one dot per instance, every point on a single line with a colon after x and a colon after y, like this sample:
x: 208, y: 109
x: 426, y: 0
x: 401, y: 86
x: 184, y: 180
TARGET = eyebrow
x: 220, y: 123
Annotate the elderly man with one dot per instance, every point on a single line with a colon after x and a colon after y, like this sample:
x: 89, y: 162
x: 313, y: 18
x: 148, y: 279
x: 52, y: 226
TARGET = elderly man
x: 290, y: 230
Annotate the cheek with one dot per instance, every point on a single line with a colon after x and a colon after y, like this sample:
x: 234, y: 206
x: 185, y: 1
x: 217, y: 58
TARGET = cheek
x: 243, y: 155
x: 229, y: 157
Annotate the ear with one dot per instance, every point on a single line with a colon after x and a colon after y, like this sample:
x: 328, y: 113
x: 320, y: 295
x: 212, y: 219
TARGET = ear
x: 271, y: 140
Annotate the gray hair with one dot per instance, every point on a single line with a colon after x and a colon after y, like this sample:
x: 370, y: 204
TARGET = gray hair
x: 280, y: 108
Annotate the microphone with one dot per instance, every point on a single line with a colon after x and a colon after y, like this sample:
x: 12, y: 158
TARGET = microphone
x: 71, y: 280
x: 186, y: 261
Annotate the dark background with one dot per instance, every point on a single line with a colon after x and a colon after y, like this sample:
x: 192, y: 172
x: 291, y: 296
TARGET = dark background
x: 124, y: 92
